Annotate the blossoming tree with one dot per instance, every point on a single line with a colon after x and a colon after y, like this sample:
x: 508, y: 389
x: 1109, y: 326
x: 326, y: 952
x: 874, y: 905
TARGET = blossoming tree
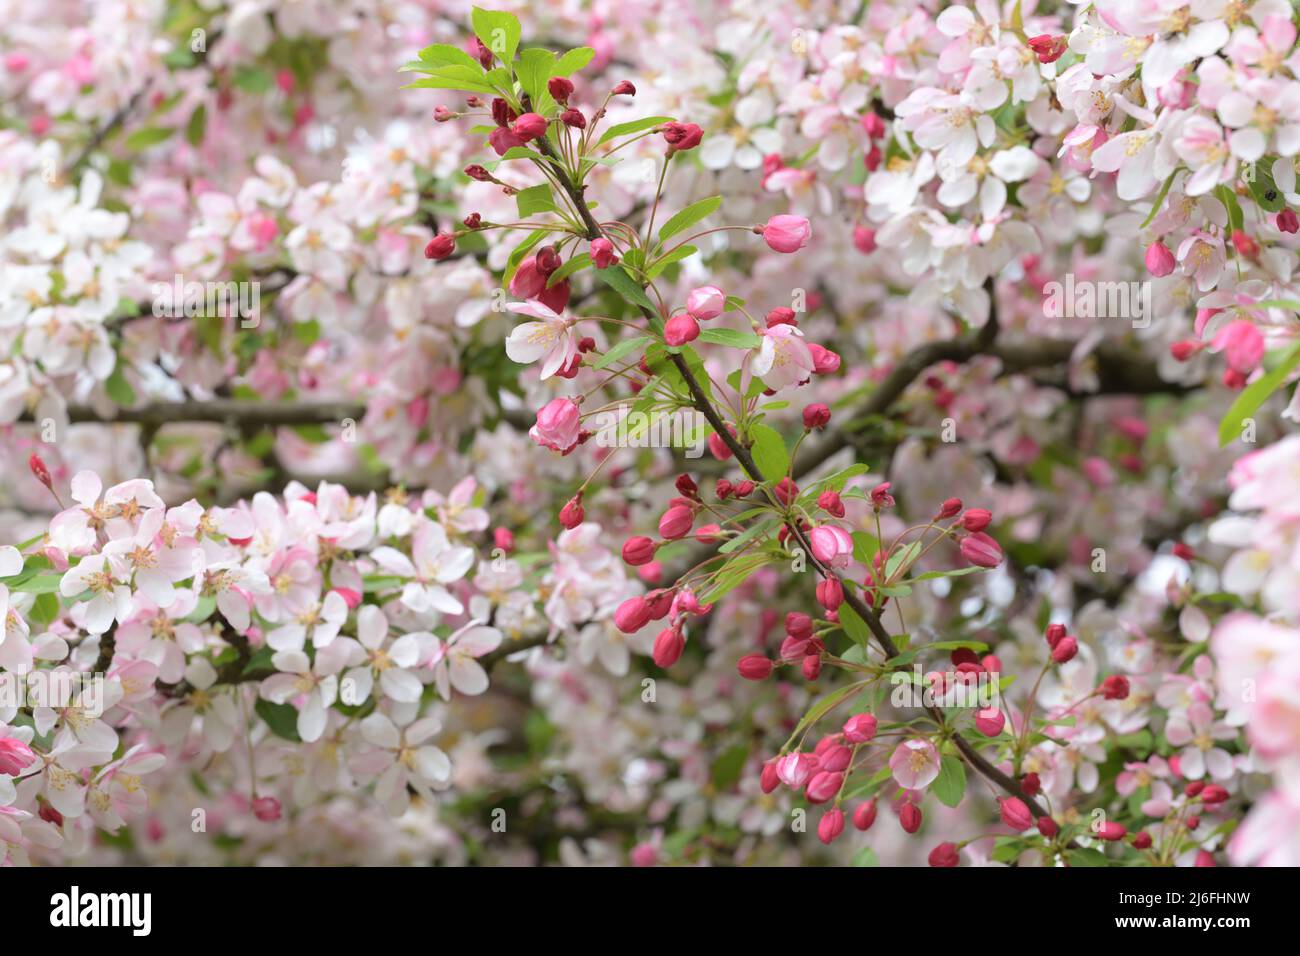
x: 698, y: 433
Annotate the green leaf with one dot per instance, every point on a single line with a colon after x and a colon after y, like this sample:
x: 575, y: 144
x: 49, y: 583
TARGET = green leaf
x: 44, y: 610
x: 902, y: 560
x: 949, y: 573
x: 499, y: 32
x: 534, y: 199
x: 197, y: 125
x: 622, y: 349
x: 746, y: 536
x: 865, y: 857
x: 455, y: 78
x: 690, y: 216
x: 1255, y: 394
x: 732, y: 338
x: 727, y: 768
x: 664, y: 261
x: 574, y: 264
x: 950, y: 786
x: 616, y: 277
x: 573, y: 61
x: 118, y: 388
x: 635, y: 126
x: 444, y: 54
x: 865, y: 547
x: 40, y: 584
x: 854, y: 626
x: 769, y: 452
x: 535, y: 68
x: 521, y: 252
x: 1264, y: 190
x: 281, y: 718
x: 148, y: 136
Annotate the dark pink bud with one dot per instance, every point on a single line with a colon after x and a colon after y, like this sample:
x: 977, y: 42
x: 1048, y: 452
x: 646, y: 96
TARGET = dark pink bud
x: 560, y: 88
x: 1015, y: 813
x: 668, y: 647
x: 1065, y: 649
x: 676, y: 522
x: 755, y: 667
x: 909, y: 817
x: 681, y: 328
x: 816, y: 415
x: 860, y: 728
x: 638, y: 550
x: 865, y: 815
x: 440, y: 247
x: 572, y: 514
x: 976, y: 519
x: 830, y: 826
x: 944, y: 855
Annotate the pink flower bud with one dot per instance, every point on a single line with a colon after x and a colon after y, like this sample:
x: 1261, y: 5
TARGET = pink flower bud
x: 682, y: 136
x: 836, y: 757
x: 1048, y: 48
x: 1031, y: 785
x: 1047, y: 827
x: 976, y: 519
x: 860, y: 728
x: 676, y: 521
x: 1159, y: 260
x: 638, y: 550
x: 768, y: 780
x: 864, y: 240
x: 1112, y: 831
x: 979, y: 549
x: 816, y: 415
x: 558, y: 425
x: 830, y: 826
x: 503, y: 139
x: 989, y: 721
x: 1213, y: 793
x: 949, y: 509
x: 668, y: 647
x: 945, y: 854
x: 529, y: 126
x: 1065, y: 649
x: 632, y: 615
x: 811, y: 666
x: 560, y: 88
x: 1244, y: 244
x: 831, y: 545
x: 1015, y: 813
x: 1115, y: 687
x: 602, y: 253
x: 865, y: 815
x: 440, y: 247
x: 573, y: 118
x: 504, y: 539
x: 786, y: 233
x: 706, y: 302
x: 873, y: 125
x: 909, y: 817
x: 15, y: 756
x: 830, y: 593
x: 825, y: 362
x: 681, y: 328
x: 572, y: 514
x: 796, y: 769
x: 830, y: 502
x: 624, y: 88
x: 266, y: 809
x: 1287, y: 221
x: 781, y: 315
x: 823, y: 786
x: 785, y: 491
x: 1141, y: 840
x: 755, y: 667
